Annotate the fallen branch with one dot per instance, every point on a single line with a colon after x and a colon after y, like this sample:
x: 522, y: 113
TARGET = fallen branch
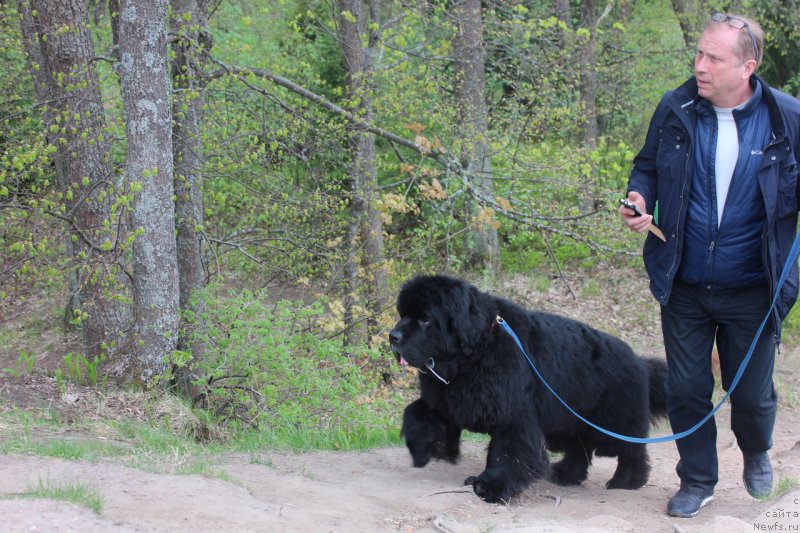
x: 453, y: 491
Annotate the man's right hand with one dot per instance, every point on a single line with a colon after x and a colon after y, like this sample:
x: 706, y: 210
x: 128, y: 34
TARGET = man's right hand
x: 636, y: 223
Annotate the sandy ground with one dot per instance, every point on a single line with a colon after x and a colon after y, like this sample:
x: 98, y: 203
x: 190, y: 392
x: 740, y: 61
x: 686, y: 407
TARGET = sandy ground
x: 380, y: 491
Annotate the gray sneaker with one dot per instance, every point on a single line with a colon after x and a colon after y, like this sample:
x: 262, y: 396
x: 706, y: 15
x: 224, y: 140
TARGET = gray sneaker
x: 757, y: 474
x: 686, y: 505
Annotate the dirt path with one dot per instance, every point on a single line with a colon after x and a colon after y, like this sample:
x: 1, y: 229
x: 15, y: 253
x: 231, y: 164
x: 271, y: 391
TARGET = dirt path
x: 379, y: 491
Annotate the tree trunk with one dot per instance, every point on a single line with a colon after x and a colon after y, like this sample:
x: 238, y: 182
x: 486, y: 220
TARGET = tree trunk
x: 691, y: 17
x: 562, y: 12
x: 113, y: 11
x: 365, y: 233
x: 470, y: 89
x: 591, y: 129
x: 41, y: 82
x: 146, y: 100
x: 626, y: 8
x: 67, y: 84
x: 190, y: 24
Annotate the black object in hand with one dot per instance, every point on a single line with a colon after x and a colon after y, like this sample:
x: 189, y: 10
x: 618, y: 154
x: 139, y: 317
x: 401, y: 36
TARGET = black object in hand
x: 630, y: 205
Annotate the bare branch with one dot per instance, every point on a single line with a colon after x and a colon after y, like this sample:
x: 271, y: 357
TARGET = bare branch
x: 452, y: 165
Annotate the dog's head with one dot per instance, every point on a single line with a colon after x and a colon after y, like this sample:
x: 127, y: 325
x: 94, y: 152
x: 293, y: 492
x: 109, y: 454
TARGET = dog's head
x: 442, y: 320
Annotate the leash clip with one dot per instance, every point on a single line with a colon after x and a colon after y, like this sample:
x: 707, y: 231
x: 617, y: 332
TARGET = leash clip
x: 430, y: 365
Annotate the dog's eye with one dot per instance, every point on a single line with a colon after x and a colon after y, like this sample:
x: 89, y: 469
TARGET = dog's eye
x: 424, y: 322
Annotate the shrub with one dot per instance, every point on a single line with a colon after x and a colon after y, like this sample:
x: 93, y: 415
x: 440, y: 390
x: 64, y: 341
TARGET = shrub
x: 269, y: 366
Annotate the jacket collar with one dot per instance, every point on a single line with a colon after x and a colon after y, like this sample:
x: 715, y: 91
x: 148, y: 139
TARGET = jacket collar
x: 686, y: 98
x: 775, y: 116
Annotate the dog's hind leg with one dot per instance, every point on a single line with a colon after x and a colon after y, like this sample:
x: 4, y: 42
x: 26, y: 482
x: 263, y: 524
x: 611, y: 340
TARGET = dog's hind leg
x: 633, y: 468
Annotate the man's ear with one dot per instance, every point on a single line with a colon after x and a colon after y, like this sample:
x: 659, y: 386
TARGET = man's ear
x: 749, y: 68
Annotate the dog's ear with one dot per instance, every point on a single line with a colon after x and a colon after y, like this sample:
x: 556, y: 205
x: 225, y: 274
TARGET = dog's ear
x: 469, y: 320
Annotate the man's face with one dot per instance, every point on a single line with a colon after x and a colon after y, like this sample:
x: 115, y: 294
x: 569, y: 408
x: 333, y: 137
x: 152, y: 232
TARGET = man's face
x: 722, y: 76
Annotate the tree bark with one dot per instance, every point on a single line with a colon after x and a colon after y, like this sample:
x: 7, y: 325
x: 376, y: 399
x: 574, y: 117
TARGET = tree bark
x: 591, y: 129
x: 113, y: 12
x: 562, y: 12
x: 146, y: 99
x: 59, y: 46
x: 690, y: 14
x: 190, y: 24
x: 470, y: 90
x: 584, y: 44
x: 365, y: 232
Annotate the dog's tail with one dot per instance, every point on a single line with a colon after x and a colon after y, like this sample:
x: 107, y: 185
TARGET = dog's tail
x: 657, y: 370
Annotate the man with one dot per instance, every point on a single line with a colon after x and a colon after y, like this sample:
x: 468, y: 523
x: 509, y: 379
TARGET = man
x: 718, y: 169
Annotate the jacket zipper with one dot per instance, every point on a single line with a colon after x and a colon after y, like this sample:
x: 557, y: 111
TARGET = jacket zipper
x: 765, y: 258
x: 687, y: 177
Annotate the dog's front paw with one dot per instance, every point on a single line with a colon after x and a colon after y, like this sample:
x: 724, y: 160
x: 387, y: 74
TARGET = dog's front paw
x: 487, y: 490
x: 420, y: 453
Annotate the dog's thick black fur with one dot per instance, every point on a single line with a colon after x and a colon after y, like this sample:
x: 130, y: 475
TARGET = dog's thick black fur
x: 492, y: 389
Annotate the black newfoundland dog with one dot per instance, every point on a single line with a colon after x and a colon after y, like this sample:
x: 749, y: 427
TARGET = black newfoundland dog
x: 473, y: 376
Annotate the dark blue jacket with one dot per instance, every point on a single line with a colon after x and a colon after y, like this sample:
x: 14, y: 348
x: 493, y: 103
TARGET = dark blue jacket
x: 663, y: 174
x: 728, y: 255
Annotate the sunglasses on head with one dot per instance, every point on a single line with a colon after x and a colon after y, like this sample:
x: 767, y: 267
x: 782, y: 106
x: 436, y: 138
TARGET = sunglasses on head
x: 738, y: 24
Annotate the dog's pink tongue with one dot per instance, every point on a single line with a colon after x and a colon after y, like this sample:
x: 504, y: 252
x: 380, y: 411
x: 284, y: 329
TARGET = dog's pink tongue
x: 403, y: 361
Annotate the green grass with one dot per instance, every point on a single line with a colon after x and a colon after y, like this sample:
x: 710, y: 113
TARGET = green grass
x: 74, y: 492
x: 85, y: 450
x: 350, y: 439
x: 591, y: 289
x: 257, y: 459
x: 170, y: 442
x: 781, y: 487
x: 38, y: 434
x: 790, y: 328
x: 787, y: 396
x: 205, y: 469
x: 33, y: 329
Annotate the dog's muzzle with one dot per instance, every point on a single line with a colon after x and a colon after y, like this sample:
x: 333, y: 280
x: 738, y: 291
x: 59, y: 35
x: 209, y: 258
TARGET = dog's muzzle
x: 394, y: 341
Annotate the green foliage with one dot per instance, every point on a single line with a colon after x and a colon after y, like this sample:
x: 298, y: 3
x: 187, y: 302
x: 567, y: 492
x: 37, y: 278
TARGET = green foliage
x: 790, y: 327
x: 524, y: 252
x: 275, y: 188
x: 269, y: 366
x: 276, y: 185
x: 653, y: 60
x: 781, y: 65
x: 81, y: 369
x: 25, y: 362
x: 613, y: 161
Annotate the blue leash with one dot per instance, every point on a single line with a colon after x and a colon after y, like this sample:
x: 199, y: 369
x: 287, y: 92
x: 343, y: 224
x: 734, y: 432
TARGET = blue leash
x: 668, y: 438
